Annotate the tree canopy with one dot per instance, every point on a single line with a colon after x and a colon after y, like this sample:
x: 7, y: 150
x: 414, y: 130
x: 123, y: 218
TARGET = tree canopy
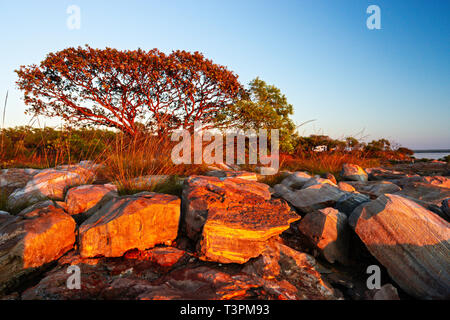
x: 129, y: 89
x: 264, y: 107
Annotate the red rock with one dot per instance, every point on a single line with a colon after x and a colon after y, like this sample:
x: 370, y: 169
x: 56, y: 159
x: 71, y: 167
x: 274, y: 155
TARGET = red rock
x: 232, y: 218
x: 138, y: 221
x: 82, y: 198
x: 32, y: 240
x: 425, y: 192
x: 410, y: 241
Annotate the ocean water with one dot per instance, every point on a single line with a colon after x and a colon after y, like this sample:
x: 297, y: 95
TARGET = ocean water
x: 430, y: 155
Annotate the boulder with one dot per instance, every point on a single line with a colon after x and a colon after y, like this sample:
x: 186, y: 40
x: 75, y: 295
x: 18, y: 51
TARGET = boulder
x: 385, y: 174
x: 32, y: 240
x: 314, y: 197
x: 375, y: 188
x: 296, y: 180
x: 232, y: 219
x: 353, y: 172
x: 410, y: 241
x: 348, y: 202
x: 138, y: 221
x: 331, y: 177
x: 50, y: 183
x: 327, y: 230
x: 386, y: 292
x: 81, y: 199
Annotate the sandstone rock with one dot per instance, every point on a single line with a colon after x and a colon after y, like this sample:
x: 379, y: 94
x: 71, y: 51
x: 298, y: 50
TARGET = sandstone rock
x: 138, y: 221
x: 386, y: 292
x: 232, y: 218
x: 31, y: 240
x: 296, y: 180
x: 50, y: 183
x: 317, y: 181
x: 375, y: 188
x: 327, y: 229
x: 353, y: 172
x: 438, y: 181
x: 314, y: 197
x: 251, y: 176
x: 344, y: 186
x: 425, y: 192
x: 348, y: 202
x: 39, y: 205
x: 280, y: 262
x: 82, y: 198
x: 279, y: 190
x: 410, y: 241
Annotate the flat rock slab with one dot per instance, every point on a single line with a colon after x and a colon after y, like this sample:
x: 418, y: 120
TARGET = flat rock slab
x: 410, y: 241
x: 232, y: 218
x: 138, y: 221
x: 29, y: 241
x: 296, y: 180
x: 425, y: 192
x: 314, y: 197
x: 16, y: 177
x: 251, y: 176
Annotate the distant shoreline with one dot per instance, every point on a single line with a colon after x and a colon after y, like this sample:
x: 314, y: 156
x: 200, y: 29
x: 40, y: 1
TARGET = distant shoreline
x: 432, y: 151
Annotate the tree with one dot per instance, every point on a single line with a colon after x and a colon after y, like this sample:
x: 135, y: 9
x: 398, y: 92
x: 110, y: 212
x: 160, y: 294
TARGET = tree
x: 120, y: 89
x: 264, y: 107
x: 378, y: 145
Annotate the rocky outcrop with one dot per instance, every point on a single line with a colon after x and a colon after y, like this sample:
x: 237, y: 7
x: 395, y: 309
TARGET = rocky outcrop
x: 410, y: 241
x: 232, y: 219
x: 315, y: 197
x: 353, y: 172
x: 328, y: 231
x: 344, y: 186
x: 81, y: 199
x: 446, y: 208
x: 386, y: 174
x: 50, y: 183
x: 317, y: 181
x: 138, y: 221
x: 32, y: 240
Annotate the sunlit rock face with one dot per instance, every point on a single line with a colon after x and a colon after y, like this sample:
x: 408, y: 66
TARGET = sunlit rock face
x: 314, y: 197
x: 31, y: 240
x: 232, y: 218
x: 318, y: 181
x: 15, y: 177
x: 344, y: 186
x: 50, y: 183
x: 138, y: 221
x: 375, y: 188
x: 82, y: 198
x: 328, y: 231
x: 410, y: 241
x: 353, y: 172
x: 296, y: 272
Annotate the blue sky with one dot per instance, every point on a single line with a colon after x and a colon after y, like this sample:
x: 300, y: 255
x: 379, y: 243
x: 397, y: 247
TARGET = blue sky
x: 393, y: 82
